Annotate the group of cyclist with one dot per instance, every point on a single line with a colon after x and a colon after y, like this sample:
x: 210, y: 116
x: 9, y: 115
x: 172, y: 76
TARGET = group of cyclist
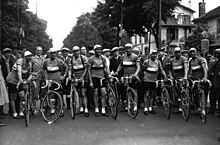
x: 90, y: 73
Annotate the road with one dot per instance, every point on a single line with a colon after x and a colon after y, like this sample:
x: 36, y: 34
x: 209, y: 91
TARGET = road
x: 144, y: 130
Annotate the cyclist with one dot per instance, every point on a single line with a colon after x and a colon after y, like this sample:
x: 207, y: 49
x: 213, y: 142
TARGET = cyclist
x: 151, y: 68
x: 98, y: 70
x: 130, y: 65
x: 78, y: 71
x: 55, y: 69
x: 21, y: 71
x: 178, y: 69
x: 198, y: 71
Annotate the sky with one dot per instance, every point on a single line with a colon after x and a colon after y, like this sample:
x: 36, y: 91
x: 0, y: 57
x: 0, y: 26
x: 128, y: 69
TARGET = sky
x: 62, y: 15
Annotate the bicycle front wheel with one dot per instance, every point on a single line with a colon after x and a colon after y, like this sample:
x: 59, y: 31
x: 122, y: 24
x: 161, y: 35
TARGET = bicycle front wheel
x: 132, y: 103
x: 185, y: 105
x: 112, y: 103
x: 27, y: 108
x: 203, y: 105
x: 51, y: 106
x: 166, y: 102
x: 73, y: 106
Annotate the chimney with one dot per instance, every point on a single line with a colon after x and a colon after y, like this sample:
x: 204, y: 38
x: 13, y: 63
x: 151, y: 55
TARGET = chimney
x: 201, y: 8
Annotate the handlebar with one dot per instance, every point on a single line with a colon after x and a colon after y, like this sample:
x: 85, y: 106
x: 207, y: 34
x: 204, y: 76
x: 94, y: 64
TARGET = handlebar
x: 201, y: 81
x: 113, y: 79
x: 26, y: 82
x: 163, y: 81
x: 50, y: 82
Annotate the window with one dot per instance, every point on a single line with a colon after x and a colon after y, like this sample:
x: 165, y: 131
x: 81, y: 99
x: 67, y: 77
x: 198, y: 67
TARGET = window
x: 172, y: 34
x: 218, y: 28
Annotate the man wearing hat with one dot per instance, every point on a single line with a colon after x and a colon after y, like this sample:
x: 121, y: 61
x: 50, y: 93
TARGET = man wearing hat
x: 98, y: 70
x: 55, y: 69
x: 66, y: 87
x: 115, y: 61
x: 165, y: 60
x: 83, y: 50
x: 185, y: 53
x: 198, y: 70
x: 178, y: 70
x: 151, y: 68
x: 214, y: 76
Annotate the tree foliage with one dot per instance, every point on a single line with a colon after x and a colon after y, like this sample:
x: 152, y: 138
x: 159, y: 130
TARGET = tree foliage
x: 14, y: 17
x: 198, y: 33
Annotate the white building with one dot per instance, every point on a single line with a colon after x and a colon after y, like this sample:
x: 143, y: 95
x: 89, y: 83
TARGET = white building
x: 178, y: 26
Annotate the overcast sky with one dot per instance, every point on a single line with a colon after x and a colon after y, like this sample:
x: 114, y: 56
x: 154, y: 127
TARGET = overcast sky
x: 61, y: 15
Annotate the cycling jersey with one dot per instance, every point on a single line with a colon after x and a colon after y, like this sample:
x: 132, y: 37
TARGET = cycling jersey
x: 152, y: 70
x: 97, y: 67
x: 78, y: 66
x: 129, y: 64
x: 26, y: 70
x: 177, y: 67
x: 195, y: 65
x: 54, y: 68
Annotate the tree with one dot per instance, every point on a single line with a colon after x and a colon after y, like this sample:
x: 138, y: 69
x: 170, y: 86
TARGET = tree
x: 141, y: 14
x: 194, y: 39
x: 14, y: 17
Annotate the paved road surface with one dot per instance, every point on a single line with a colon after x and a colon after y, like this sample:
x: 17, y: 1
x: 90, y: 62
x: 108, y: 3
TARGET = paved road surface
x: 144, y: 130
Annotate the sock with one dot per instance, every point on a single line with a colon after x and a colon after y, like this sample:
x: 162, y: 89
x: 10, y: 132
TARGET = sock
x: 81, y: 109
x: 150, y: 108
x: 146, y: 109
x: 96, y: 109
x: 103, y: 110
x: 86, y: 110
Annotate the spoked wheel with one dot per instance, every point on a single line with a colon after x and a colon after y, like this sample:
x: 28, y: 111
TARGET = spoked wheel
x: 185, y: 105
x: 73, y: 107
x: 112, y: 103
x: 27, y: 109
x: 52, y: 106
x: 166, y: 102
x: 132, y: 102
x: 203, y: 105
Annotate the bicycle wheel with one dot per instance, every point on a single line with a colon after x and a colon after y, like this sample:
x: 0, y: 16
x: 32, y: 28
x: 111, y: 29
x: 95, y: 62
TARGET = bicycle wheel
x: 112, y: 103
x: 73, y: 106
x: 185, y: 105
x: 27, y: 108
x: 166, y: 102
x: 203, y: 106
x: 132, y: 102
x: 51, y: 106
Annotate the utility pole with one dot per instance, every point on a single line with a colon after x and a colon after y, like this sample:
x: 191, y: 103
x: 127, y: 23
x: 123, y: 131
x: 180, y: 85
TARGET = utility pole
x: 121, y: 24
x: 159, y: 23
x: 0, y: 25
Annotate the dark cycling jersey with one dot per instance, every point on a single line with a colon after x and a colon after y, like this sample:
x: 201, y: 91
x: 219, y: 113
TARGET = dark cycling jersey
x: 177, y: 67
x: 78, y: 66
x: 195, y: 65
x: 129, y: 64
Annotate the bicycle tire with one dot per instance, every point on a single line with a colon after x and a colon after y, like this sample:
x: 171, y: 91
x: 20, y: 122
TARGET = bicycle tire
x: 166, y: 102
x: 54, y: 103
x: 132, y: 102
x: 27, y: 108
x: 112, y: 103
x: 185, y: 105
x: 204, y: 109
x: 73, y: 106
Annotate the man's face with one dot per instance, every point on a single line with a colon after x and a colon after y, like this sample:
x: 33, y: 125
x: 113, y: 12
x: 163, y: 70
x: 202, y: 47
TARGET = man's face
x: 76, y: 53
x: 65, y: 53
x: 154, y: 56
x: 98, y: 51
x: 115, y: 53
x: 28, y: 58
x: 107, y: 54
x: 39, y: 51
x: 193, y: 54
x: 128, y: 49
x: 7, y: 54
x: 53, y: 55
x: 177, y: 54
x: 161, y: 54
x: 83, y: 51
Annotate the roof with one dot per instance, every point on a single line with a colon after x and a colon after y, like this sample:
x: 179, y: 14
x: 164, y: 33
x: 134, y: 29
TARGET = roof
x: 187, y: 8
x: 172, y: 22
x: 211, y: 14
